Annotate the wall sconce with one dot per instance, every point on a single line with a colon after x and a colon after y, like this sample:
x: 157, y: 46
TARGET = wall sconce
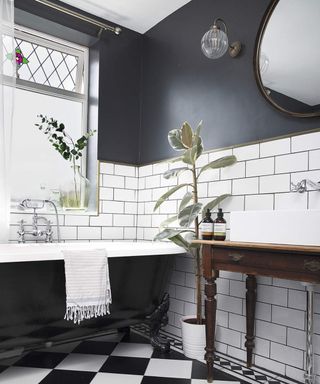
x: 215, y: 43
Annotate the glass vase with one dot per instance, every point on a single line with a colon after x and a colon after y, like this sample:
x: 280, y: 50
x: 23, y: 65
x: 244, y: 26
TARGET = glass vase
x: 74, y: 195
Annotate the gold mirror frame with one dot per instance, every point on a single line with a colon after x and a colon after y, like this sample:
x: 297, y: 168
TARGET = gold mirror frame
x: 261, y: 31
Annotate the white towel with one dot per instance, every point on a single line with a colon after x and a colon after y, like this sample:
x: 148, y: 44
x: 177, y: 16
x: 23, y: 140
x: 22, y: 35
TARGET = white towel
x: 88, y: 292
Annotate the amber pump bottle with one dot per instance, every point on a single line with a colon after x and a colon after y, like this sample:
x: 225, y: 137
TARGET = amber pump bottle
x: 206, y: 227
x: 219, y: 227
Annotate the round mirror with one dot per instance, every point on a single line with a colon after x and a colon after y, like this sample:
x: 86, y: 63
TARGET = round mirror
x: 287, y: 59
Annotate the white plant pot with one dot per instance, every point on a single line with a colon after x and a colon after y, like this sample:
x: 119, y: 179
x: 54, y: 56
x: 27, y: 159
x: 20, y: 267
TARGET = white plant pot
x: 193, y: 338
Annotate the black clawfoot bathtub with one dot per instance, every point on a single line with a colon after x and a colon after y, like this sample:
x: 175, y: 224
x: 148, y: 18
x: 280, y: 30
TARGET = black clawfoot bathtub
x: 32, y: 289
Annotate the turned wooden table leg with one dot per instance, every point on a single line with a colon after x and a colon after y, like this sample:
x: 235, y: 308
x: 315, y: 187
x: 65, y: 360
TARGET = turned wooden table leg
x: 210, y: 290
x: 251, y: 298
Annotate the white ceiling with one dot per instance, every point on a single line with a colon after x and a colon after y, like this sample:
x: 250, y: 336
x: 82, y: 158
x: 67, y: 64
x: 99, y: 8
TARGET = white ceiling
x: 138, y: 15
x: 291, y: 44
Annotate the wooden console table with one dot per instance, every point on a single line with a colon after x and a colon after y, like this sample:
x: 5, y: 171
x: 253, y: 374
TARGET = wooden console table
x: 301, y: 263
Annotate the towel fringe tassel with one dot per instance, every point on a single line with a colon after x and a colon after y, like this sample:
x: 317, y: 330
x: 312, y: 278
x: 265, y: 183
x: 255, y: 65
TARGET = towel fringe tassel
x: 79, y: 313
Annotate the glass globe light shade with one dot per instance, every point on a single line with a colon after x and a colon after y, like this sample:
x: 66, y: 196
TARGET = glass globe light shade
x: 214, y: 43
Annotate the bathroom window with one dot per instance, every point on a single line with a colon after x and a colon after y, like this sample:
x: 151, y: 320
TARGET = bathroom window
x: 51, y: 79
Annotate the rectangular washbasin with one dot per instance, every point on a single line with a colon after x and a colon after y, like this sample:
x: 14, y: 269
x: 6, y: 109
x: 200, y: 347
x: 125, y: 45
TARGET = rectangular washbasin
x: 278, y: 227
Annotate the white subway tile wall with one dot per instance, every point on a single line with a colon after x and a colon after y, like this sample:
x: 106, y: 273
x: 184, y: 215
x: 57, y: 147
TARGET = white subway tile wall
x: 259, y: 181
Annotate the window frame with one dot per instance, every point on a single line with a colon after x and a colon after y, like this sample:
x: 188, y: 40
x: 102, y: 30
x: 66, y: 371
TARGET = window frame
x: 55, y: 43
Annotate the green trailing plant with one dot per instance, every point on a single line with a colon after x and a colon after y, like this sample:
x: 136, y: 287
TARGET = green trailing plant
x: 69, y: 148
x: 190, y: 145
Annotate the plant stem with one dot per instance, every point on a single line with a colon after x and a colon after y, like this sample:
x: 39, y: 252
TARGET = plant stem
x: 197, y: 251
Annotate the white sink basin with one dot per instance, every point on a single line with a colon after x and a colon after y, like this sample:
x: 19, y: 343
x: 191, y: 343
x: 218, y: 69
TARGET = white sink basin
x: 279, y: 227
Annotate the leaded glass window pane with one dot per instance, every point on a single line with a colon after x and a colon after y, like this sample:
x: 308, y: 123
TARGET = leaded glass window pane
x: 45, y: 65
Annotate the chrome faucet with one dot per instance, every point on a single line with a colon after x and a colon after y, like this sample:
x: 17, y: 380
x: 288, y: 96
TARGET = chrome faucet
x: 45, y: 235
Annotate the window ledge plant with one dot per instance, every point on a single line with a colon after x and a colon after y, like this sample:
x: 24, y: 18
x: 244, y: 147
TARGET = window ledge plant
x: 76, y: 197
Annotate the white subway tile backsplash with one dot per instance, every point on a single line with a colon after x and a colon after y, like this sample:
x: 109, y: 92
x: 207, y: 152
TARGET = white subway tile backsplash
x: 106, y: 193
x: 112, y: 233
x: 314, y: 159
x: 76, y: 220
x: 306, y: 142
x: 209, y: 175
x: 160, y: 168
x: 260, y: 167
x: 288, y: 317
x: 217, y: 188
x: 314, y: 200
x: 246, y: 152
x: 153, y: 181
x: 185, y: 294
x: 269, y: 364
x: 89, y: 233
x: 259, y: 202
x: 296, y: 338
x: 113, y: 207
x: 107, y: 168
x: 113, y: 181
x: 146, y: 170
x: 131, y: 183
x: 275, y: 147
x: 232, y: 203
x: 218, y: 154
x: 292, y: 163
x: 102, y: 220
x: 291, y: 201
x: 228, y: 336
x: 124, y: 220
x: 245, y: 186
x: 269, y: 331
x: 276, y: 183
x: 125, y: 170
x: 273, y: 295
x: 131, y: 208
x: 124, y: 195
x: 286, y: 355
x: 235, y: 171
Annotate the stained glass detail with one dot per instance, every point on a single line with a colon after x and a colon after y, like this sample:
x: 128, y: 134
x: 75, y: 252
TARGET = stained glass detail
x: 44, y: 65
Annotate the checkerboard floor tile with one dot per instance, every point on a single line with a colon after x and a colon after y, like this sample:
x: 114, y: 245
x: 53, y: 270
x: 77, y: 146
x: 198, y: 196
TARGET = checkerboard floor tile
x: 114, y: 359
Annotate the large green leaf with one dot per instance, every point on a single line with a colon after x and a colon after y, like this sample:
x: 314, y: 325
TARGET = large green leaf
x: 174, y: 138
x: 199, y: 144
x: 186, y: 135
x: 179, y: 240
x: 225, y: 161
x: 188, y: 214
x: 168, y: 233
x: 174, y: 172
x: 198, y: 130
x: 168, y: 194
x: 185, y: 201
x: 168, y: 221
x: 214, y: 203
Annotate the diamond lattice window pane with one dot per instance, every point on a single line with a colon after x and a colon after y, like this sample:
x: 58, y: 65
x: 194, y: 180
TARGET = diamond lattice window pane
x: 44, y: 65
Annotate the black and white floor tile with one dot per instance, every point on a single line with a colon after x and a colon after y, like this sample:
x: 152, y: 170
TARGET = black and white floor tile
x: 114, y: 359
x: 120, y: 359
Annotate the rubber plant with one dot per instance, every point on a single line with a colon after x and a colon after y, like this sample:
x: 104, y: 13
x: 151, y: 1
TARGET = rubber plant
x: 190, y: 145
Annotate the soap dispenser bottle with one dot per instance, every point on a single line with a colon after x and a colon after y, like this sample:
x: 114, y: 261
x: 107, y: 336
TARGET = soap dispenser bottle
x: 219, y: 227
x: 206, y: 227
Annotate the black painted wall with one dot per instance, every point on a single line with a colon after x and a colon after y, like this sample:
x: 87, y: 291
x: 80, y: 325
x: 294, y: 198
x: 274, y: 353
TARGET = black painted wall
x: 150, y: 84
x: 180, y: 83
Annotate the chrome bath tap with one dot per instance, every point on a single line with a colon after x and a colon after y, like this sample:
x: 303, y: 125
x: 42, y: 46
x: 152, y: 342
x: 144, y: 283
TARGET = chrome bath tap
x: 46, y: 234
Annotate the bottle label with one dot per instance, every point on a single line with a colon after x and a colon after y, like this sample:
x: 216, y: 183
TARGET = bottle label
x: 219, y: 229
x: 206, y: 228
